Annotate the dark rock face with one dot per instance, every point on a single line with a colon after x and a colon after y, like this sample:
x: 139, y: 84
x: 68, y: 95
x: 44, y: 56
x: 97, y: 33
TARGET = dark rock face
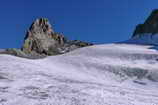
x: 150, y: 26
x: 41, y: 40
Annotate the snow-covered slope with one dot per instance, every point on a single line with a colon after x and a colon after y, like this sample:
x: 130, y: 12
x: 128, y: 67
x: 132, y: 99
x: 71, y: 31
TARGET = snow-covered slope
x: 147, y: 38
x: 110, y: 74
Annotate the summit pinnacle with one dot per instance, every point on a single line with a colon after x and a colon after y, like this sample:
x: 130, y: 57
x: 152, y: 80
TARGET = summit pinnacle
x: 42, y: 39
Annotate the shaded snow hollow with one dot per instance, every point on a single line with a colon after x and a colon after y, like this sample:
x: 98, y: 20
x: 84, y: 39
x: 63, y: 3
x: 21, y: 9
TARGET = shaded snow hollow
x: 110, y: 74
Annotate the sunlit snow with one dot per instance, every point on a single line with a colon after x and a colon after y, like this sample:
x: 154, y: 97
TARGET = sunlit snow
x: 110, y: 74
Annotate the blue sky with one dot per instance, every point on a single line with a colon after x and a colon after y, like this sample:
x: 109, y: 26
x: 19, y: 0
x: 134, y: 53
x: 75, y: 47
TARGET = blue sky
x: 97, y: 21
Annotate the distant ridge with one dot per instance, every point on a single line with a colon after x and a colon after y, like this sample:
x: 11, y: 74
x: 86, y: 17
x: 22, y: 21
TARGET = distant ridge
x: 41, y: 40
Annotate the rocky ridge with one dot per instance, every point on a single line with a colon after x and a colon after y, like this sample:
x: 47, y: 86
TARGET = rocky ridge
x: 41, y: 40
x: 150, y: 26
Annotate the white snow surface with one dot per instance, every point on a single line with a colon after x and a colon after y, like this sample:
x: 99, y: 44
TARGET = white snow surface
x: 145, y: 38
x: 109, y: 74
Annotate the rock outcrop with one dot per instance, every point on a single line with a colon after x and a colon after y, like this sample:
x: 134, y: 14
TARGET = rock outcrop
x: 150, y: 26
x: 146, y: 33
x: 41, y: 40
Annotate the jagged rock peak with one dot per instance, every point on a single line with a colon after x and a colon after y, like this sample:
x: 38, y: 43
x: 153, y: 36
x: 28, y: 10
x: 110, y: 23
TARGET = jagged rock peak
x: 41, y: 38
x: 150, y: 26
x: 40, y: 25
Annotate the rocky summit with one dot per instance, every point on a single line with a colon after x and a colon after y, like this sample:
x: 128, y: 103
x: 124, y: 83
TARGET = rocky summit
x: 150, y: 26
x: 41, y: 40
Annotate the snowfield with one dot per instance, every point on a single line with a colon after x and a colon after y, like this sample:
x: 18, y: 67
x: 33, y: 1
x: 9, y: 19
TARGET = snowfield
x: 110, y: 74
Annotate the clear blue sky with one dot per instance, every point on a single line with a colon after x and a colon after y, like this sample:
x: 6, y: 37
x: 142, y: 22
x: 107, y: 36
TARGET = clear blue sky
x: 98, y: 21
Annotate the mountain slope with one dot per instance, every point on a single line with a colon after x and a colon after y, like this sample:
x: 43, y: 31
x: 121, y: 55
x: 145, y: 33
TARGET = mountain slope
x: 147, y: 33
x: 110, y: 74
x: 41, y: 40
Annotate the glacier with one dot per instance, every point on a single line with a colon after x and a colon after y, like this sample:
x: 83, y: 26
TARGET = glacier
x: 107, y: 74
x: 145, y: 38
